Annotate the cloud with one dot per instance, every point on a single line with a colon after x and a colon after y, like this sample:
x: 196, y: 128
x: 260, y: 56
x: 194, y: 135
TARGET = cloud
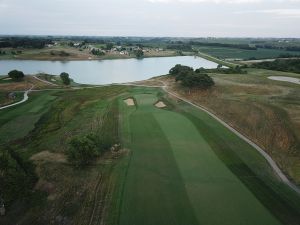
x: 290, y: 13
x: 207, y: 1
x: 224, y: 1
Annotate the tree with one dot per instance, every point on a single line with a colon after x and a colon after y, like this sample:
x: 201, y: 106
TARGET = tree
x: 139, y: 53
x: 190, y: 78
x: 201, y: 80
x: 109, y: 46
x: 65, y: 78
x: 16, y: 75
x: 82, y: 150
x: 180, y: 69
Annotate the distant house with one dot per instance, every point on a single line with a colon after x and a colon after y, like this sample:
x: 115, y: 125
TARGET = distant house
x: 124, y: 53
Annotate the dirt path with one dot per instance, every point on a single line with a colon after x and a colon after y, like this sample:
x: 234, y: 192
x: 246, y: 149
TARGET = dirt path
x: 286, y: 79
x: 44, y: 81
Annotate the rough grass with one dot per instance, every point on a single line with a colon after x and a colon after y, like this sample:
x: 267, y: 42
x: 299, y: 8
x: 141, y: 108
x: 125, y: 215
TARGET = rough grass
x: 70, y: 193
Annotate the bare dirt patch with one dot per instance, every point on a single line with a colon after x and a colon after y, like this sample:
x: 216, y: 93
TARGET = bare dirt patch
x: 160, y: 104
x: 286, y: 79
x: 129, y: 101
x: 46, y: 156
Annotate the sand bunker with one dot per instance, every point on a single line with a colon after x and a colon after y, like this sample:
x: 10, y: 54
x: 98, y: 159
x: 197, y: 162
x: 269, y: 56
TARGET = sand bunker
x: 287, y: 79
x: 129, y: 101
x: 160, y: 104
x: 49, y: 157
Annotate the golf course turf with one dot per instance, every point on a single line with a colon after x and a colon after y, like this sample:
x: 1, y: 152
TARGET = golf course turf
x: 177, y: 165
x: 186, y: 168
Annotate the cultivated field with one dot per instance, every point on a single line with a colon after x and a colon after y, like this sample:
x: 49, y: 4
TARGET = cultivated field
x: 242, y: 54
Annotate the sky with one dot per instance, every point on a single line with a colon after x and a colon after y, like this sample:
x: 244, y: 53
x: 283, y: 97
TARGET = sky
x: 163, y: 18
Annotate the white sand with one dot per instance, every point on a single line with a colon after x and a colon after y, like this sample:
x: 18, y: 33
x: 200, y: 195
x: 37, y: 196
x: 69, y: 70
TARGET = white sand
x: 287, y: 79
x: 129, y: 101
x: 160, y: 104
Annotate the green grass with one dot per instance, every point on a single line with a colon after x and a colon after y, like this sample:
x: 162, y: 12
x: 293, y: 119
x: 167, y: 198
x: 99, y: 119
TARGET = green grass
x: 179, y: 165
x: 173, y: 154
x: 16, y: 122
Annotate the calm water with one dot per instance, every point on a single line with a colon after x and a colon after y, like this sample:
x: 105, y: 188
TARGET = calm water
x: 106, y: 71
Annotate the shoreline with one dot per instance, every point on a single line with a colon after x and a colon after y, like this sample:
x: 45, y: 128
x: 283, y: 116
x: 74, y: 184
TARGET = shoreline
x: 93, y: 59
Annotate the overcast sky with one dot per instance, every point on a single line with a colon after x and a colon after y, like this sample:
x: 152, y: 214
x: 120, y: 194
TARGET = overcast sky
x: 184, y: 18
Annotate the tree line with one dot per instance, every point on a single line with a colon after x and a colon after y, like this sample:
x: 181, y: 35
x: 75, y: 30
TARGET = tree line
x: 216, y: 44
x: 287, y: 65
x: 24, y: 42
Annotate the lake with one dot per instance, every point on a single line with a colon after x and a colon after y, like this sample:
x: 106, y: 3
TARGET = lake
x: 106, y: 71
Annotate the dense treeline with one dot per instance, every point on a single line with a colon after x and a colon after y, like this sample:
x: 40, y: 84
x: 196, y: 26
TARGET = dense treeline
x: 233, y: 70
x: 238, y: 46
x: 287, y: 65
x: 180, y: 47
x: 190, y: 78
x: 286, y: 48
x: 24, y: 42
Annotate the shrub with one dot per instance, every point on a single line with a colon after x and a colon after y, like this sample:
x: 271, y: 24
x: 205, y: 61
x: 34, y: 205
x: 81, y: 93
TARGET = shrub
x: 83, y: 150
x: 16, y: 75
x: 65, y: 78
x: 201, y: 80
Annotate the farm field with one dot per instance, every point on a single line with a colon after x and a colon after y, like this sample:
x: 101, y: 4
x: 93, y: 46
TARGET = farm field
x: 242, y: 54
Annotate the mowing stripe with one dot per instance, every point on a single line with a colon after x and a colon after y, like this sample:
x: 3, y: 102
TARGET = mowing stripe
x: 216, y: 194
x: 154, y: 191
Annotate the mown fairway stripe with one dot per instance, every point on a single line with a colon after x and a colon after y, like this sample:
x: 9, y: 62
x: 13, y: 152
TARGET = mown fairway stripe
x: 217, y: 195
x: 154, y: 192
